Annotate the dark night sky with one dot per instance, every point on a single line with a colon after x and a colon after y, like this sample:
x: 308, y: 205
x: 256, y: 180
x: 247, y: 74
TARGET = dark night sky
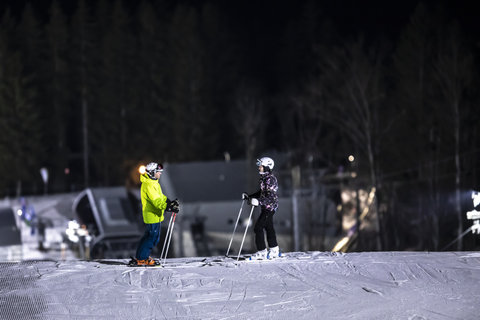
x: 260, y: 25
x: 370, y: 16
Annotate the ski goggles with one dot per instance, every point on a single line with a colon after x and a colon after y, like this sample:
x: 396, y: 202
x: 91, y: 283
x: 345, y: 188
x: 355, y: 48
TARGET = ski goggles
x: 159, y: 168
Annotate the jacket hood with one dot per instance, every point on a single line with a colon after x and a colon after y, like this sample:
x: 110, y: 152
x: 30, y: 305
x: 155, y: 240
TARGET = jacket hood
x: 145, y: 178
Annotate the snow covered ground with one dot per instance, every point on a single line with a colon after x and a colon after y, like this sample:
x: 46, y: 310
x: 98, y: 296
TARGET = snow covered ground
x: 310, y: 285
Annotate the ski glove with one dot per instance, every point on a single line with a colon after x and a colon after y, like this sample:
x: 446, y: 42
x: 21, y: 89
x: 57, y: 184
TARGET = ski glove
x: 176, y: 203
x: 253, y: 202
x: 245, y: 196
x: 173, y: 206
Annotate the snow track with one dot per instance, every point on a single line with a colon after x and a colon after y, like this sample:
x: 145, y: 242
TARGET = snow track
x: 310, y: 285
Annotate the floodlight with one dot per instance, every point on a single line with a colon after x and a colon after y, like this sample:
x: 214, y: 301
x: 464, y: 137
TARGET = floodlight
x: 476, y: 198
x: 475, y: 216
x: 476, y: 227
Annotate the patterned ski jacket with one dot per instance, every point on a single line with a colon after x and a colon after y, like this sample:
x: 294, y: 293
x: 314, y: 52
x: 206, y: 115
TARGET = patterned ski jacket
x: 154, y: 202
x: 267, y: 195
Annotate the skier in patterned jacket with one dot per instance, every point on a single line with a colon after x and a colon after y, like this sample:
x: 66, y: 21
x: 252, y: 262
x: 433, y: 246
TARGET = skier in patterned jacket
x: 268, y: 200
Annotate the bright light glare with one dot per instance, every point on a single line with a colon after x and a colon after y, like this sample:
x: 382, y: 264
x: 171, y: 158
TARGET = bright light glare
x: 73, y: 231
x: 142, y: 169
x: 82, y: 232
x: 476, y: 198
x: 73, y: 225
x: 351, y: 158
x: 19, y: 212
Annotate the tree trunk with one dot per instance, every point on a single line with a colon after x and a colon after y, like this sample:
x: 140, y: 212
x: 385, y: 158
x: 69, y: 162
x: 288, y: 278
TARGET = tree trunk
x: 295, y: 220
x: 458, y: 208
x: 85, y: 141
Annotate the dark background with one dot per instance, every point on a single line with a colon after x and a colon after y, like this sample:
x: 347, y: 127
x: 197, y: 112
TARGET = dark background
x: 91, y: 89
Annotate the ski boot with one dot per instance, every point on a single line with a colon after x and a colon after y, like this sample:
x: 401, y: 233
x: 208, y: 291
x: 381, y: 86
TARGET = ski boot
x: 274, y: 253
x: 260, y: 255
x: 147, y: 262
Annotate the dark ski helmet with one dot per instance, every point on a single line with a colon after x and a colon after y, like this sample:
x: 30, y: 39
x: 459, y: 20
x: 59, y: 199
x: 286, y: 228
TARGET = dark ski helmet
x: 152, y: 168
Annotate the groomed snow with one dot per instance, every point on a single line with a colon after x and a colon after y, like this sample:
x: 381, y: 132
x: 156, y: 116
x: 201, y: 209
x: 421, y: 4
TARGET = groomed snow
x: 311, y: 285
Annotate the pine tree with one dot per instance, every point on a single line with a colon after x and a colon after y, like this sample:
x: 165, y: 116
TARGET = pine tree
x: 57, y: 105
x: 21, y: 149
x: 84, y: 62
x: 220, y: 79
x: 152, y: 112
x: 191, y: 115
x: 111, y: 124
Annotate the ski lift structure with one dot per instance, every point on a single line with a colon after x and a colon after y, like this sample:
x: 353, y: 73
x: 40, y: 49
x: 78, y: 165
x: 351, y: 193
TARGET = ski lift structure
x: 105, y: 225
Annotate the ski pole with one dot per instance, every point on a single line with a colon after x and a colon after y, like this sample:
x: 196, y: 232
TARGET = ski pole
x: 166, y: 236
x: 170, y: 237
x: 235, y: 228
x: 245, y: 234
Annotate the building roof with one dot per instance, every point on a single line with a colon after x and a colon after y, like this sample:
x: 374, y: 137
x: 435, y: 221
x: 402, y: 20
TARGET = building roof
x: 206, y: 181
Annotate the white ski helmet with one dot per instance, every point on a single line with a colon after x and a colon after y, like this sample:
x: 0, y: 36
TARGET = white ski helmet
x: 266, y: 162
x: 153, y: 168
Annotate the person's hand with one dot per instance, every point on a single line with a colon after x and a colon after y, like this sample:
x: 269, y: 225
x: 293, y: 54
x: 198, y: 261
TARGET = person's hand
x: 245, y: 196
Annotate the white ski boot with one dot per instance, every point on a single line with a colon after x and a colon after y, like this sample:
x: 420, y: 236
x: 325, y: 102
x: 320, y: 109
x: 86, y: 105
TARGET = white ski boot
x: 273, y: 253
x: 260, y: 255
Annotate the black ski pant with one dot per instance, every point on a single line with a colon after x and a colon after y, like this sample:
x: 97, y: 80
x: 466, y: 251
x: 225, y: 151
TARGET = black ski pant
x: 265, y: 222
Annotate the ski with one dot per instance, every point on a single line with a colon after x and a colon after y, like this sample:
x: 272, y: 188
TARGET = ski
x: 227, y: 261
x: 238, y: 258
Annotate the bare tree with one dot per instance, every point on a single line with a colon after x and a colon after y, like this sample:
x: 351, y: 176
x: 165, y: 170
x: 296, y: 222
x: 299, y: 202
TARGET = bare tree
x: 247, y: 118
x: 454, y: 74
x: 420, y: 134
x: 348, y: 94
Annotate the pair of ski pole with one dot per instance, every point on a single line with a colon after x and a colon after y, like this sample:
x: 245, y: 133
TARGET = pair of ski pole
x: 246, y: 228
x: 168, y: 237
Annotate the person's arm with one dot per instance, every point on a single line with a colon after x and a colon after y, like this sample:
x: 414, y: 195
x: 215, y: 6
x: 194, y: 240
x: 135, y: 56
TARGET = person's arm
x: 158, y: 200
x: 256, y: 194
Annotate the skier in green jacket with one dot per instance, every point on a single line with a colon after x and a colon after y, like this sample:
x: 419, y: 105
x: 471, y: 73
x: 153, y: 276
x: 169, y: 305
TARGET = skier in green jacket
x: 154, y: 204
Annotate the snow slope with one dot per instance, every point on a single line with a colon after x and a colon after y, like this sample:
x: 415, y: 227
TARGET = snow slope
x: 310, y: 285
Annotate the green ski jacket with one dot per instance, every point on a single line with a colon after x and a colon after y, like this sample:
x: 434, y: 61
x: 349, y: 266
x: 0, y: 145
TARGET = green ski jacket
x: 154, y: 202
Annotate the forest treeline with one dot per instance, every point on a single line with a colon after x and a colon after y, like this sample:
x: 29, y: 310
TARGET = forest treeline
x: 92, y: 91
